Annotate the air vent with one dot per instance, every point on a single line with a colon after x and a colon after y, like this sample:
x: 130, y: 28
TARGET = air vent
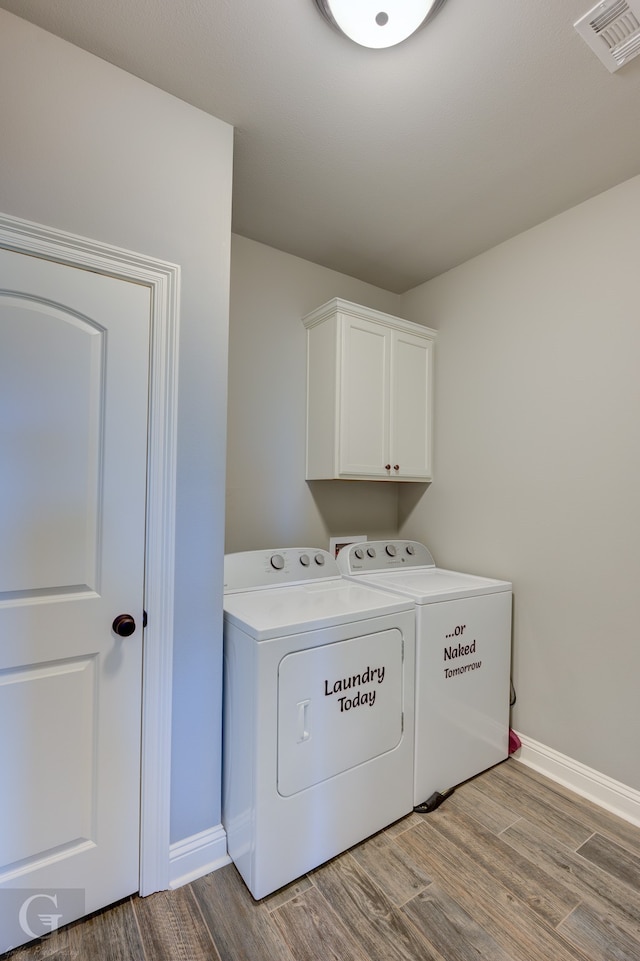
x: 612, y: 30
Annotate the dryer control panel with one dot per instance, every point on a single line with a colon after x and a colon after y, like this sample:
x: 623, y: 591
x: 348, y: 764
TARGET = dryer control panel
x: 252, y: 570
x: 370, y: 556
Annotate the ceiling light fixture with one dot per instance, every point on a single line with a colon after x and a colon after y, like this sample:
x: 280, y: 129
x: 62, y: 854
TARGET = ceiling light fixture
x: 378, y: 23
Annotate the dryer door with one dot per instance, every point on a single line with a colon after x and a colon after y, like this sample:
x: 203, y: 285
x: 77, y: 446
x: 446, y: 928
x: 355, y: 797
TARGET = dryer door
x: 339, y: 706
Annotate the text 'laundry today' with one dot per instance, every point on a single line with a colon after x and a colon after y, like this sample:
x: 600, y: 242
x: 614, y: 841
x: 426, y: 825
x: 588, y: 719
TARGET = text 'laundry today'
x: 371, y: 675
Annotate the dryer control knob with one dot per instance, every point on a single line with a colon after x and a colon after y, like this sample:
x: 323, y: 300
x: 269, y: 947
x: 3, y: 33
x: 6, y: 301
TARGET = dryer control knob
x: 305, y: 560
x: 391, y: 550
x: 359, y: 553
x: 371, y: 551
x: 410, y: 549
x: 319, y: 559
x: 277, y: 562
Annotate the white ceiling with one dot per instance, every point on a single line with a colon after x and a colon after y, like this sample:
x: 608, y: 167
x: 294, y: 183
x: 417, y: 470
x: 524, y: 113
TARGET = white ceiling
x: 388, y: 165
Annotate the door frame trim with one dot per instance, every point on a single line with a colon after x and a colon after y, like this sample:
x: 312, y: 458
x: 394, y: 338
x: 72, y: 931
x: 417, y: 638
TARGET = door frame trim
x: 163, y: 279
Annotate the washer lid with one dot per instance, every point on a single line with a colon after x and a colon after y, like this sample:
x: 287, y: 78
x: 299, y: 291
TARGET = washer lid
x: 433, y: 584
x: 281, y: 611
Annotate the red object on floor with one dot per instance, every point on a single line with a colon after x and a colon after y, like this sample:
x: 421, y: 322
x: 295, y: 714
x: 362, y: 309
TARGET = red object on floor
x: 514, y: 741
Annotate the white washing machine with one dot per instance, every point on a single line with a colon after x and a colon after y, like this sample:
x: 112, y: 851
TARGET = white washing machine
x: 318, y: 738
x: 463, y: 659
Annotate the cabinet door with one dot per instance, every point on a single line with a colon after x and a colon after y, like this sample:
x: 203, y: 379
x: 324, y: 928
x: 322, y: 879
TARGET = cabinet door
x: 364, y: 399
x: 411, y: 399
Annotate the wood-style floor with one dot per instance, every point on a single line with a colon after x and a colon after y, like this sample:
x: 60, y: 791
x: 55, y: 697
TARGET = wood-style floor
x: 511, y: 867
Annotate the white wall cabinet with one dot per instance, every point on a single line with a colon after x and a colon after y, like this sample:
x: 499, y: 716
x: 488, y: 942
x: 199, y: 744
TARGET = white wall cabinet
x: 369, y: 395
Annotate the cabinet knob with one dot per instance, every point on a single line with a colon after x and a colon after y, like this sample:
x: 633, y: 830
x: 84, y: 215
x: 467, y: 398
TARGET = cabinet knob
x: 387, y: 466
x: 396, y: 466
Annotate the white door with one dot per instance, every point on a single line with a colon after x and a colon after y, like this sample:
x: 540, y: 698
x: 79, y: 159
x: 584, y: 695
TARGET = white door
x: 364, y: 399
x: 411, y: 417
x: 74, y: 366
x: 339, y: 705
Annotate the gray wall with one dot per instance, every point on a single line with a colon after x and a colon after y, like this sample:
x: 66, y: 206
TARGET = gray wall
x: 537, y: 460
x: 88, y: 148
x: 537, y: 451
x: 269, y: 503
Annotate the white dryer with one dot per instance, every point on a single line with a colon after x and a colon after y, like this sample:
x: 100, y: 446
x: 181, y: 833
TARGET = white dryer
x: 318, y: 712
x: 463, y: 659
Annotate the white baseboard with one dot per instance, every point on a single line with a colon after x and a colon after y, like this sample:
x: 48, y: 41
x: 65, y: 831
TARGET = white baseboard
x: 202, y: 853
x: 197, y: 855
x: 616, y: 797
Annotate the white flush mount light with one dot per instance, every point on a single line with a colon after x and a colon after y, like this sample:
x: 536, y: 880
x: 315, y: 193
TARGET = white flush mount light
x: 378, y: 23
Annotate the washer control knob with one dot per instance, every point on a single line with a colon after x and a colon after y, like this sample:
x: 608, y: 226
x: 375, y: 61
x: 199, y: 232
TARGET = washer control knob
x: 359, y: 553
x: 391, y: 550
x: 305, y: 560
x: 277, y: 562
x: 319, y: 559
x: 371, y: 551
x: 411, y: 549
